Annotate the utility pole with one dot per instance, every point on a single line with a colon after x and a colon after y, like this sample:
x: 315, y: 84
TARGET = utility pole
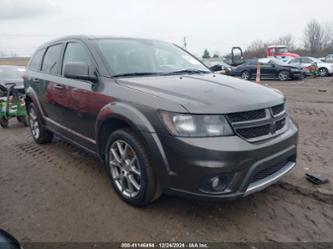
x: 184, y: 43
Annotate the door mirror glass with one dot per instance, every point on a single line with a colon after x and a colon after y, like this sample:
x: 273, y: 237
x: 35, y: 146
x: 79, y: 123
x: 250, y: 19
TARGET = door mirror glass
x: 78, y: 70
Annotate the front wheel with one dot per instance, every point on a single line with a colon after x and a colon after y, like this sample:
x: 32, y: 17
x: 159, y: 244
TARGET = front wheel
x: 283, y: 75
x: 130, y: 168
x: 246, y: 75
x: 39, y: 133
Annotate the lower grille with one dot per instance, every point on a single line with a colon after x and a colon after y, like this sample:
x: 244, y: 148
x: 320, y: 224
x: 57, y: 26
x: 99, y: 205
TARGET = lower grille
x: 254, y: 131
x: 261, y: 174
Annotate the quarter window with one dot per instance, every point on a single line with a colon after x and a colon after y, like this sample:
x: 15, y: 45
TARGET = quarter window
x: 75, y: 52
x: 51, y: 59
x: 36, y: 60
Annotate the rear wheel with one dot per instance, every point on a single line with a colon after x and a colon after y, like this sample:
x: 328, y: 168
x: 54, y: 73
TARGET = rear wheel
x: 4, y: 122
x: 23, y: 119
x: 323, y: 72
x: 130, y: 168
x: 39, y: 133
x: 283, y: 75
x: 246, y: 75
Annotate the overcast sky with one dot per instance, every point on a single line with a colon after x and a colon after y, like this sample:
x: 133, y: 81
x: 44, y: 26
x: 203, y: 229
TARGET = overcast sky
x: 213, y: 24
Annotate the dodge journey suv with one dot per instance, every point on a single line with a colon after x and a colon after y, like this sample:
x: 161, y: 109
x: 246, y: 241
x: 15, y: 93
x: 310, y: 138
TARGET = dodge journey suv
x: 159, y: 119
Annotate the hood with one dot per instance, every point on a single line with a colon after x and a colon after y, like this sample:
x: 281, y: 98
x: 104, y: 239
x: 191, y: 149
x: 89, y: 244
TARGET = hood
x: 207, y: 93
x: 18, y: 82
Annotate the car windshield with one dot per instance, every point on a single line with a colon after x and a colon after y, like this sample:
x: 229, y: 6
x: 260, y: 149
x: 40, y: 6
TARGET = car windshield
x: 11, y: 72
x: 128, y: 57
x: 281, y: 50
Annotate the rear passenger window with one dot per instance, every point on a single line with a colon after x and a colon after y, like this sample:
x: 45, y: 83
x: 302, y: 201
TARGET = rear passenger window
x: 75, y: 52
x: 51, y: 59
x: 36, y: 60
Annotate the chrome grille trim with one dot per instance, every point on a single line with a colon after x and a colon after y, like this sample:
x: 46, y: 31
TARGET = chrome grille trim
x: 271, y: 118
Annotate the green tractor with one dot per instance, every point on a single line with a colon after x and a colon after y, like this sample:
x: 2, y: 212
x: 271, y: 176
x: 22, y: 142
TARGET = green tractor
x: 12, y: 105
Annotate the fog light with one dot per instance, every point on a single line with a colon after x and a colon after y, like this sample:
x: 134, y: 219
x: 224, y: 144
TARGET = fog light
x: 215, y: 183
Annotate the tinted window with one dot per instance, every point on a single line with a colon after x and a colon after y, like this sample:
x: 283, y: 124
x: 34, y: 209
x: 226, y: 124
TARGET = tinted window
x: 75, y: 52
x: 252, y: 62
x: 306, y: 60
x: 36, y: 60
x: 297, y: 60
x: 51, y: 59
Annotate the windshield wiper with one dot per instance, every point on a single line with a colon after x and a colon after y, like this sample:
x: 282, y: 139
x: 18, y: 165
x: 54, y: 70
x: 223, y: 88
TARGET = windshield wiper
x: 136, y: 74
x: 189, y: 71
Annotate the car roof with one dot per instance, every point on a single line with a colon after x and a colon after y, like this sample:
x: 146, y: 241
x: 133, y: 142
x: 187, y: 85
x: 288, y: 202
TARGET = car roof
x: 90, y: 37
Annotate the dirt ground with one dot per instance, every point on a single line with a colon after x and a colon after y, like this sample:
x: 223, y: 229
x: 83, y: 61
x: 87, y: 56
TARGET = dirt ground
x: 57, y: 193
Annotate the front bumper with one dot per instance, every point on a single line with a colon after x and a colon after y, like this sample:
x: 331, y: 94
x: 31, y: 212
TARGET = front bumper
x: 193, y: 162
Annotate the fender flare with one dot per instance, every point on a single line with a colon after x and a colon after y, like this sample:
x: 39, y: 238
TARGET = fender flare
x: 30, y: 92
x: 136, y: 120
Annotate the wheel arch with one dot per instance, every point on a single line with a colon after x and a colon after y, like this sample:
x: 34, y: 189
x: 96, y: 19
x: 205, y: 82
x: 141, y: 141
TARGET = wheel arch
x: 118, y: 115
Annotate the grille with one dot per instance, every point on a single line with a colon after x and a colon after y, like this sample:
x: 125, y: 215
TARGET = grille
x: 245, y: 116
x: 259, y: 124
x: 253, y: 132
x: 280, y: 124
x: 277, y: 109
x: 263, y: 173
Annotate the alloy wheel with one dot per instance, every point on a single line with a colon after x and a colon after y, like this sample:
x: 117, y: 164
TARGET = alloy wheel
x: 246, y: 75
x: 34, y: 125
x: 125, y: 168
x: 283, y: 75
x: 323, y: 72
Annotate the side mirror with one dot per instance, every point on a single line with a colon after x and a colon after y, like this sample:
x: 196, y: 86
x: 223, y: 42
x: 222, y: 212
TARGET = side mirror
x: 79, y: 71
x: 216, y: 68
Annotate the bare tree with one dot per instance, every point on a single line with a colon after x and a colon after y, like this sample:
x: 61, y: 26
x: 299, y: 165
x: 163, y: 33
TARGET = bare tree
x: 328, y: 37
x: 257, y: 49
x: 287, y: 40
x: 313, y: 38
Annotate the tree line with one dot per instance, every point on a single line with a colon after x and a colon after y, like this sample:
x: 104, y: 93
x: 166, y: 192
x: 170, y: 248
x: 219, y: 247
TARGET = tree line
x: 317, y: 41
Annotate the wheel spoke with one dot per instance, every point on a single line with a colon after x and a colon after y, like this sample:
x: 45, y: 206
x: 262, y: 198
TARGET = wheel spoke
x: 115, y: 155
x: 130, y: 186
x: 133, y: 182
x: 135, y: 171
x: 115, y: 163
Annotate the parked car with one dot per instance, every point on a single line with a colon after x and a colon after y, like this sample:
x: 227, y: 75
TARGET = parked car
x: 218, y: 66
x: 328, y: 58
x: 270, y: 68
x: 324, y: 69
x: 159, y: 119
x: 11, y: 74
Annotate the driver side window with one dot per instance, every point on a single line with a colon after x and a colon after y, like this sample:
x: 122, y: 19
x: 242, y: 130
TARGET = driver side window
x: 75, y: 52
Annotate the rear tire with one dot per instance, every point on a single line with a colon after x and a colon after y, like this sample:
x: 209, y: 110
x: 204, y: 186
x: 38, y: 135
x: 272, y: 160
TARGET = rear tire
x: 39, y: 133
x: 24, y: 120
x: 130, y: 169
x: 323, y: 72
x: 4, y: 122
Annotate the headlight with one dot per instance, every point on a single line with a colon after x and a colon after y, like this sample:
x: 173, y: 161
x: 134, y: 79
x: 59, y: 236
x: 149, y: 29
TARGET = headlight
x: 187, y: 125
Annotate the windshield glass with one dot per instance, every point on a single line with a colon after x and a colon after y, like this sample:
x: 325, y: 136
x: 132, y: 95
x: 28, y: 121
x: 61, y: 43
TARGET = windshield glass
x: 11, y: 72
x: 281, y: 50
x: 129, y: 56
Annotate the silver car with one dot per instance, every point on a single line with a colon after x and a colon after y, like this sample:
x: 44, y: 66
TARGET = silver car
x: 324, y: 68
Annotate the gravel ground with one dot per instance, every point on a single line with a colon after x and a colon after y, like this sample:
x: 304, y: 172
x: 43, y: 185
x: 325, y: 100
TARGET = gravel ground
x: 57, y: 193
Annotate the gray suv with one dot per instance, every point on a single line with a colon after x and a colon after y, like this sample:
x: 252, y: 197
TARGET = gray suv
x: 159, y: 119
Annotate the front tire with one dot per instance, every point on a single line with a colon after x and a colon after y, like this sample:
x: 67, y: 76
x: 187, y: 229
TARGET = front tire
x: 39, y: 133
x: 284, y: 75
x: 246, y: 75
x: 130, y: 168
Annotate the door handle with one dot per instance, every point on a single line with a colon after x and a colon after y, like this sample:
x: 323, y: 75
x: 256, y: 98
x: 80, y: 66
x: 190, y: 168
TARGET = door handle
x: 35, y: 80
x: 58, y: 86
